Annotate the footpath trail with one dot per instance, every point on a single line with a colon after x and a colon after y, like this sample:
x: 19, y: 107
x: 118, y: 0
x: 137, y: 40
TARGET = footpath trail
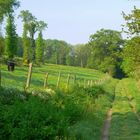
x: 123, y: 120
x: 105, y: 133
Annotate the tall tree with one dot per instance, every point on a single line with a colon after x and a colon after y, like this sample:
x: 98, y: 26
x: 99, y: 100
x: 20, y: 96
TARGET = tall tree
x: 105, y: 50
x: 81, y: 54
x: 131, y: 50
x: 40, y: 42
x: 26, y: 47
x: 7, y: 6
x: 131, y: 57
x: 26, y: 18
x: 2, y: 45
x: 132, y: 26
x: 11, y: 37
x: 56, y: 51
x: 31, y: 26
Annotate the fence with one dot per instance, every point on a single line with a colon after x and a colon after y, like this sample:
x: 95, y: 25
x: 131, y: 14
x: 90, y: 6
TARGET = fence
x: 39, y: 79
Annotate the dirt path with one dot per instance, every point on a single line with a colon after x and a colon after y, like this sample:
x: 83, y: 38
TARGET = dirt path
x: 105, y: 132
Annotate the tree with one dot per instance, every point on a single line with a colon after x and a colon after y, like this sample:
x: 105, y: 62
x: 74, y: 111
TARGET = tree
x: 2, y: 45
x: 39, y: 49
x: 26, y: 47
x: 56, y: 51
x: 81, y: 54
x: 132, y: 26
x: 27, y: 18
x: 40, y: 42
x: 31, y: 26
x: 131, y: 50
x: 7, y: 6
x: 11, y: 37
x: 131, y: 57
x: 105, y: 48
x: 70, y: 58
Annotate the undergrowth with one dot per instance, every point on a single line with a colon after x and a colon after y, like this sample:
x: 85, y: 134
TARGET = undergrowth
x: 77, y: 114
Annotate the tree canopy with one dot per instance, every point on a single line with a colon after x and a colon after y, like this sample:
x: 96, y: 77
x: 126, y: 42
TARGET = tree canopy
x: 105, y: 49
x: 7, y: 6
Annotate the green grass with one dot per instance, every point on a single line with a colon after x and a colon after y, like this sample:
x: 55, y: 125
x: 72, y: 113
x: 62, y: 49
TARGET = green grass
x: 77, y: 113
x: 17, y: 79
x: 66, y: 114
x: 125, y: 124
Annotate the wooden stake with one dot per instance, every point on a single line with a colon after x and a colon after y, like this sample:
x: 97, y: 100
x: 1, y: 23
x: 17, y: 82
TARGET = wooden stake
x: 91, y: 83
x: 46, y: 80
x: 68, y: 79
x: 58, y: 81
x: 29, y: 76
x: 84, y: 83
x: 74, y: 81
x: 88, y: 83
x: 0, y: 73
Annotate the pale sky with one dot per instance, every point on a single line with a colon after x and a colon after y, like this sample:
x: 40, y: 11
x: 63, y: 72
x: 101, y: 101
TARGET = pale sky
x: 75, y: 20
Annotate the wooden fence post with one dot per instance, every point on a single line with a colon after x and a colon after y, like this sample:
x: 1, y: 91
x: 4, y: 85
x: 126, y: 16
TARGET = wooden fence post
x: 74, y: 80
x: 91, y: 83
x: 46, y: 80
x: 88, y: 83
x: 58, y: 81
x: 84, y: 83
x: 68, y: 79
x: 29, y: 76
x: 79, y: 83
x: 0, y: 73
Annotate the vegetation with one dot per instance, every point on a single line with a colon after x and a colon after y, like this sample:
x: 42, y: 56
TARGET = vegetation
x: 105, y: 51
x: 68, y: 102
x: 54, y: 114
x: 11, y: 37
x: 125, y: 108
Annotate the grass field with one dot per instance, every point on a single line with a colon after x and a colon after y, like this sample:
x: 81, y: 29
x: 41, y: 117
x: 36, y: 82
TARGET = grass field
x: 77, y: 113
x: 125, y: 124
x: 18, y: 78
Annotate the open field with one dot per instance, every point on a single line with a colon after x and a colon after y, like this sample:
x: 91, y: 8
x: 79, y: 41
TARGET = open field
x: 60, y: 114
x: 68, y: 114
x: 18, y: 78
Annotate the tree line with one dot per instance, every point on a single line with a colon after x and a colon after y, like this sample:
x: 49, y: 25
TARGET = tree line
x: 106, y: 50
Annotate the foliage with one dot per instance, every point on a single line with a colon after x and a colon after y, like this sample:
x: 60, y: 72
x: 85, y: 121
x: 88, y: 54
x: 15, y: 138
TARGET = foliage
x: 105, y: 51
x: 132, y: 22
x: 82, y: 52
x: 56, y: 51
x: 131, y: 57
x: 7, y: 6
x: 131, y: 49
x: 40, y: 42
x: 11, y: 37
x: 39, y: 49
x: 26, y: 46
x: 62, y: 115
x: 2, y: 45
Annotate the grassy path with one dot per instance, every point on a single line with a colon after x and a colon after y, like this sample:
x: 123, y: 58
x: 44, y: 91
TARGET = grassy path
x: 125, y: 124
x: 105, y: 133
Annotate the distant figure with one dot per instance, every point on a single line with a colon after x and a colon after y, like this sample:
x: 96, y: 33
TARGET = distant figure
x: 11, y: 65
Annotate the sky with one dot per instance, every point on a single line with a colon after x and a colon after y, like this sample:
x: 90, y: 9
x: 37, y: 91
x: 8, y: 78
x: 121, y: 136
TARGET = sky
x: 75, y: 20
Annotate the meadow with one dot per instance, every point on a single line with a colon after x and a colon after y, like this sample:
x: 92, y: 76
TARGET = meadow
x: 54, y: 113
x: 74, y: 113
x: 18, y: 78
